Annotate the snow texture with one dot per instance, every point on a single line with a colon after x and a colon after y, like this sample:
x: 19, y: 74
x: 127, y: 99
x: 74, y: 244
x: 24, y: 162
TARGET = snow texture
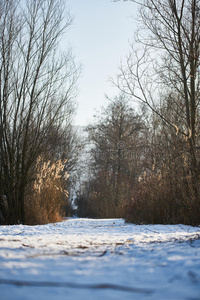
x: 99, y: 259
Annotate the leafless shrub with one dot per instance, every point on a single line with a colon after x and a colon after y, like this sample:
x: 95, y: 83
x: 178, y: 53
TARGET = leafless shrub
x: 167, y: 197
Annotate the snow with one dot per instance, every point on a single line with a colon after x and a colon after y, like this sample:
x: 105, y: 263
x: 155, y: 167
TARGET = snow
x: 99, y: 259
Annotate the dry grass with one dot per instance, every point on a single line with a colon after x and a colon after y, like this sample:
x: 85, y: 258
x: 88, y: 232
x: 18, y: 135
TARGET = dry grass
x: 44, y: 204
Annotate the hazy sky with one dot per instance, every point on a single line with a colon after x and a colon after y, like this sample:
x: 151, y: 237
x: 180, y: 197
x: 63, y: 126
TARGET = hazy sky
x: 100, y: 36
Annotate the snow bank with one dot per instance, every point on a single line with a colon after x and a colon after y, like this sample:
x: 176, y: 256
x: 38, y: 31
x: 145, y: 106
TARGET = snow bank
x: 86, y: 258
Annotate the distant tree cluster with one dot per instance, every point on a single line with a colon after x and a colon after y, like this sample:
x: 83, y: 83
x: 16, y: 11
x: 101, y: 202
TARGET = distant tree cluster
x: 37, y: 89
x: 117, y: 157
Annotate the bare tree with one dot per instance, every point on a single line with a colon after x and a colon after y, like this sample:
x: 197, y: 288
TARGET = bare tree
x: 162, y: 73
x: 169, y: 62
x: 37, y: 87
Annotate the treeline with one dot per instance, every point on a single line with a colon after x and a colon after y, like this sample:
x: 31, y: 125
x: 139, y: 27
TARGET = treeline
x: 144, y: 159
x: 38, y: 148
x: 145, y: 165
x: 138, y: 168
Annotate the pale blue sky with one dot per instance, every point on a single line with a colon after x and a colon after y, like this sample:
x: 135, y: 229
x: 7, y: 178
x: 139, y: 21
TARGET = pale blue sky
x: 100, y: 36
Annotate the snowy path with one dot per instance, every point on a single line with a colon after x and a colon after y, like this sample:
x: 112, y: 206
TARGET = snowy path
x: 99, y: 259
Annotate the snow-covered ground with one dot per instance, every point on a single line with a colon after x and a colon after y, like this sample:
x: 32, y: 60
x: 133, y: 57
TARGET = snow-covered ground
x: 99, y: 259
